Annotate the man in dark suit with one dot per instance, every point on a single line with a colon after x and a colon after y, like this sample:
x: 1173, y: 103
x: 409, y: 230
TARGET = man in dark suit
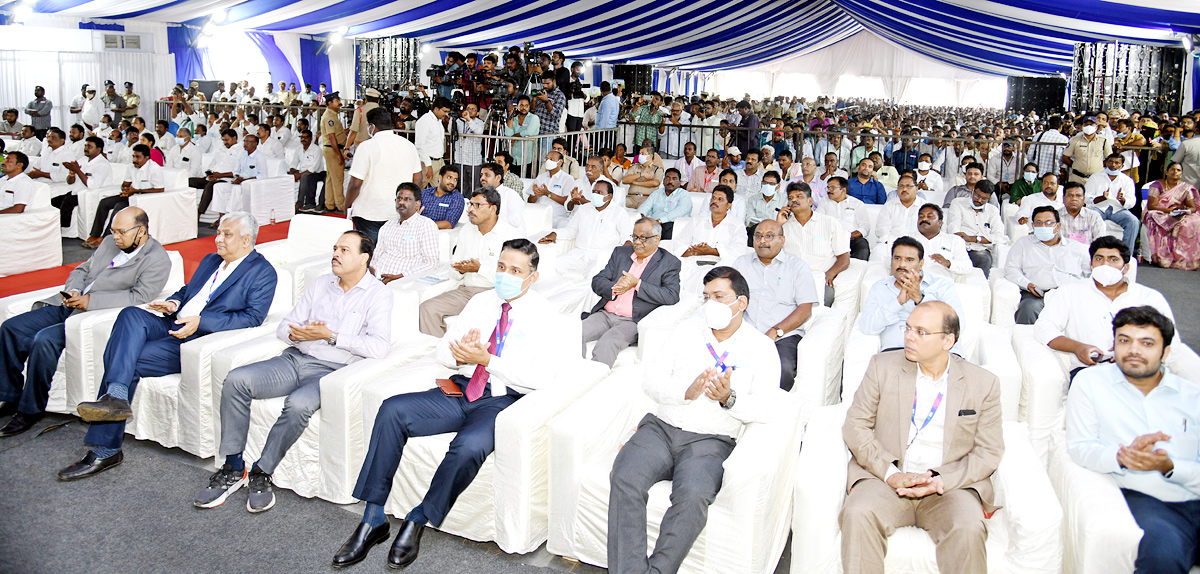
x: 637, y: 279
x: 129, y: 268
x: 231, y: 289
x: 926, y: 463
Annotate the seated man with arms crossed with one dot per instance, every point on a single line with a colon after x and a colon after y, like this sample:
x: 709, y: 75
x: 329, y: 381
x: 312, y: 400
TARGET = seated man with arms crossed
x: 231, y: 289
x: 947, y: 252
x: 493, y: 373
x: 979, y: 223
x: 1042, y: 262
x: 1131, y: 420
x: 1077, y: 316
x: 343, y: 317
x: 129, y: 268
x: 719, y: 374
x: 893, y: 298
x: 408, y: 244
x: 932, y: 473
x: 638, y: 279
x: 782, y: 293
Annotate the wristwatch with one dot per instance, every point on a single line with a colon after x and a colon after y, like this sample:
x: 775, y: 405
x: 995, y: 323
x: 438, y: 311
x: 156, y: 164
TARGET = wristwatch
x: 778, y: 333
x: 729, y: 401
x: 332, y: 340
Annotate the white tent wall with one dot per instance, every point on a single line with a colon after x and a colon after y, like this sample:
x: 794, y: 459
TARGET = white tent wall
x: 341, y: 68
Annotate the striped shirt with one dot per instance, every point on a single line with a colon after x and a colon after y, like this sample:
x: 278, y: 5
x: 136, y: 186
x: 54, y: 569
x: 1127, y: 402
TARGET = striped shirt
x: 407, y: 246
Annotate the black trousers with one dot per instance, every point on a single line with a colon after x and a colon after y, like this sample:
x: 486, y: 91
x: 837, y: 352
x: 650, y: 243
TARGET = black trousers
x: 787, y: 360
x: 107, y: 207
x: 860, y: 248
x: 668, y: 230
x: 66, y: 204
x: 308, y: 190
x: 574, y: 124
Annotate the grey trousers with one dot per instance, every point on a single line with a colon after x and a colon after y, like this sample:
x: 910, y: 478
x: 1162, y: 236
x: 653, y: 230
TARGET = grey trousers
x: 432, y: 313
x: 612, y: 333
x: 1030, y: 307
x: 292, y: 374
x: 658, y: 451
x: 981, y: 259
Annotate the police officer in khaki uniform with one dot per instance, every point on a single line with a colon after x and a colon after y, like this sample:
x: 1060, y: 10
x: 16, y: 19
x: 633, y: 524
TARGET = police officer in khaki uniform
x: 358, y: 125
x: 333, y: 142
x: 131, y: 102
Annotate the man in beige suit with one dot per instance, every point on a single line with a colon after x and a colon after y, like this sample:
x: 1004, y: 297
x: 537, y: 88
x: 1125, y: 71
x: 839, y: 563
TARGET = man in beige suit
x: 924, y: 463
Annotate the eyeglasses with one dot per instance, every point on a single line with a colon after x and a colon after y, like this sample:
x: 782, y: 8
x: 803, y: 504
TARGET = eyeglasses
x: 767, y: 237
x: 116, y: 231
x: 473, y: 205
x: 641, y: 238
x: 922, y: 333
x: 1045, y: 223
x: 705, y: 298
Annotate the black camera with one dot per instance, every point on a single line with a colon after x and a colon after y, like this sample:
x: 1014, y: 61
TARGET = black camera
x: 440, y: 74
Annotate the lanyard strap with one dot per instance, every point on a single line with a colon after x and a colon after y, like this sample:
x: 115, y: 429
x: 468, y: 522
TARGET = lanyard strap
x: 503, y: 335
x: 212, y: 285
x: 720, y: 360
x: 937, y: 402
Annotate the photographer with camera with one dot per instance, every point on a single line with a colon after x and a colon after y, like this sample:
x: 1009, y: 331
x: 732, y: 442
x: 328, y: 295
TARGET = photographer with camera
x: 575, y: 97
x: 514, y: 71
x: 468, y: 151
x: 446, y: 77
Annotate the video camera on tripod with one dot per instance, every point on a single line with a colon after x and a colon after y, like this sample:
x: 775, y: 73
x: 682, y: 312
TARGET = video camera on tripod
x: 441, y: 74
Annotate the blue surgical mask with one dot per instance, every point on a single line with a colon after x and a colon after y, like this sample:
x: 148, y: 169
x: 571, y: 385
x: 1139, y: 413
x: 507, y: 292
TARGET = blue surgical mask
x: 1029, y: 176
x: 597, y: 200
x: 1111, y: 172
x: 180, y: 140
x: 1044, y: 233
x: 508, y: 286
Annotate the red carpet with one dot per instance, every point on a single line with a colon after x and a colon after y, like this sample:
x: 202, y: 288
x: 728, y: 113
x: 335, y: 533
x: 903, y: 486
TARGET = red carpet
x: 192, y: 251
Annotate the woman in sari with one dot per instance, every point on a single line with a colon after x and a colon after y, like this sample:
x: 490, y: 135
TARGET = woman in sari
x: 1172, y: 224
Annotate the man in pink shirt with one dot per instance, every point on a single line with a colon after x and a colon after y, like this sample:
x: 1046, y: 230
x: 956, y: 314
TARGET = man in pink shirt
x: 706, y: 177
x: 638, y: 278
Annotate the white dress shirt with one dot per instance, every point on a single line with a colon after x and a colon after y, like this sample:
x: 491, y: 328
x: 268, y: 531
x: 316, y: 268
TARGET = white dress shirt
x: 52, y: 160
x: 748, y: 184
x: 149, y: 176
x: 1036, y: 200
x: 431, y: 138
x: 226, y: 159
x: 533, y: 345
x: 560, y: 183
x: 755, y: 379
x: 925, y: 445
x: 933, y: 181
x: 98, y: 171
x: 197, y: 304
x: 896, y: 220
x: 850, y: 212
x: 1079, y: 311
x: 512, y: 207
x: 188, y: 158
x: 361, y: 318
x: 16, y: 190
x: 382, y: 163
x: 310, y: 160
x: 1047, y: 266
x: 963, y: 217
x: 248, y: 164
x: 271, y: 147
x: 593, y: 229
x: 1105, y: 411
x: 686, y: 169
x: 472, y: 244
x: 1104, y: 190
x: 952, y: 247
x: 818, y: 242
x: 728, y: 237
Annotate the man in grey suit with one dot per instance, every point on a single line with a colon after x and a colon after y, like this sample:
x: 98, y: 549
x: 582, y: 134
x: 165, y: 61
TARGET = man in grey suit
x: 129, y: 268
x: 637, y: 279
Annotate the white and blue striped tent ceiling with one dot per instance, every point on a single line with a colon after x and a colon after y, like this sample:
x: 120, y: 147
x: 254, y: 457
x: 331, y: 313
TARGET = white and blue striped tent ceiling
x: 1009, y: 37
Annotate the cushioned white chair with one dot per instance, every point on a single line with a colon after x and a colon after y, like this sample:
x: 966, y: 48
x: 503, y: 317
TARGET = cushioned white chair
x: 271, y: 197
x: 1006, y: 295
x: 33, y: 238
x: 77, y: 378
x: 507, y: 500
x: 1045, y: 378
x: 1025, y: 535
x: 306, y: 251
x: 819, y: 357
x: 747, y: 523
x: 173, y: 212
x: 176, y: 410
x: 326, y: 459
x: 89, y: 199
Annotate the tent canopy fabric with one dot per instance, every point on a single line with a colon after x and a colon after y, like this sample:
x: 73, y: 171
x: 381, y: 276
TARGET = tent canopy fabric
x: 1002, y: 37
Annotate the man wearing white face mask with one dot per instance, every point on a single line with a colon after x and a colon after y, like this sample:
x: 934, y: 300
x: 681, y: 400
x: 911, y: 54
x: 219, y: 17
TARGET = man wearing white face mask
x: 187, y: 156
x: 719, y: 374
x: 642, y: 178
x: 553, y: 187
x: 1042, y: 262
x: 929, y: 181
x: 597, y: 227
x: 1085, y: 152
x: 1112, y: 194
x: 978, y: 222
x: 1078, y: 316
x: 765, y: 204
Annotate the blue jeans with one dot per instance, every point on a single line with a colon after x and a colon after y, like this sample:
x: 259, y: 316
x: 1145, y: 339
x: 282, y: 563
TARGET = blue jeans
x: 32, y: 340
x: 1128, y: 222
x: 1172, y: 530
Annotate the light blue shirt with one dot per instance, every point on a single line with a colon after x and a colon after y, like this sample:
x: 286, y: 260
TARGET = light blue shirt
x: 606, y: 115
x: 776, y: 290
x: 249, y: 164
x: 883, y: 315
x: 667, y: 208
x: 1104, y: 411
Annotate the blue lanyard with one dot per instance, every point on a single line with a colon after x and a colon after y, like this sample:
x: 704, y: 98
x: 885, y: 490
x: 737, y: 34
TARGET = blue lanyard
x: 720, y: 360
x: 503, y: 336
x: 212, y: 285
x: 936, y: 403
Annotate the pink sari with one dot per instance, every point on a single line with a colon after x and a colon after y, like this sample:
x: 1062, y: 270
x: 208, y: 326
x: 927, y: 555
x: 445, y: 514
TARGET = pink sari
x: 1174, y: 241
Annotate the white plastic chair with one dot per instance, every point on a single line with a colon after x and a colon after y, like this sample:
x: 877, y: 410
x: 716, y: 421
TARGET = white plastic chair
x: 306, y: 251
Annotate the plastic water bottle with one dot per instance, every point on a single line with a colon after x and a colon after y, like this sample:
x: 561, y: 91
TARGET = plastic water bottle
x: 272, y: 217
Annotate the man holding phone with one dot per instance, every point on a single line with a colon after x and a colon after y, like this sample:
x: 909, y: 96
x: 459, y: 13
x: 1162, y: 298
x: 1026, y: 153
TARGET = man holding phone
x: 129, y: 268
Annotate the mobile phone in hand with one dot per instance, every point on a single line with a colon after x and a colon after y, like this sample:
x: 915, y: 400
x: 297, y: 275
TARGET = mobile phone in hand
x: 65, y: 295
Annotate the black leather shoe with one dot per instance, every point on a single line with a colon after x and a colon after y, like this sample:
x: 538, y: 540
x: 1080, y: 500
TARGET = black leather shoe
x: 8, y: 409
x: 407, y: 545
x: 359, y: 543
x: 20, y: 423
x: 105, y: 409
x: 89, y: 466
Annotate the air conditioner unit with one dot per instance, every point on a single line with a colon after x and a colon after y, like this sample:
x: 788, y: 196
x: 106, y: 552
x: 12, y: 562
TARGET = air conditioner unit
x: 125, y: 42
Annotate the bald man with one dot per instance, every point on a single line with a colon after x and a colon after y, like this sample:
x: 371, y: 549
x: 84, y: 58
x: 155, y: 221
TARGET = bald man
x: 933, y: 472
x: 128, y: 268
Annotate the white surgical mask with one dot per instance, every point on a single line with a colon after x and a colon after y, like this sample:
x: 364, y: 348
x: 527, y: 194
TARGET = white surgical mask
x: 1029, y: 176
x: 924, y: 165
x: 180, y: 140
x: 1107, y: 275
x: 1044, y: 233
x: 551, y: 164
x: 717, y: 314
x: 597, y: 200
x: 1089, y: 130
x: 643, y: 158
x: 977, y: 207
x: 1111, y: 172
x: 768, y: 190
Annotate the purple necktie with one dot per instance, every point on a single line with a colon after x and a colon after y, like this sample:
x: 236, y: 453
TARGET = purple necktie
x: 480, y: 377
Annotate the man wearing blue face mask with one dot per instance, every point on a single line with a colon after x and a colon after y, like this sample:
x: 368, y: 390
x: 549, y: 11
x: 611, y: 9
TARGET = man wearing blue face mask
x: 596, y: 226
x: 1042, y: 262
x: 499, y: 346
x: 187, y: 156
x: 765, y: 204
x: 978, y: 222
x: 1112, y: 194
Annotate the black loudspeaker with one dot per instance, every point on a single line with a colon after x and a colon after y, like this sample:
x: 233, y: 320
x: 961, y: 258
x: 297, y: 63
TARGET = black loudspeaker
x: 1131, y: 76
x: 1041, y: 95
x: 637, y: 78
x: 206, y: 87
